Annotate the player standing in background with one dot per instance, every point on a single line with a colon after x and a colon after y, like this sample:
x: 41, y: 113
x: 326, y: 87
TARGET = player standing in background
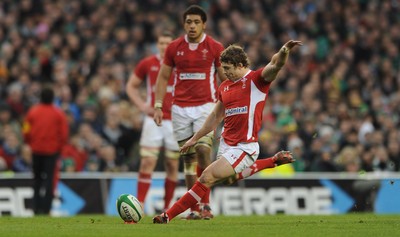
x: 46, y: 131
x: 153, y: 138
x: 241, y: 101
x: 195, y: 57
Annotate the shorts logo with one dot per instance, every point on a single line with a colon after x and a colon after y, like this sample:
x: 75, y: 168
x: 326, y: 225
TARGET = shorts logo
x: 179, y: 53
x: 235, y: 111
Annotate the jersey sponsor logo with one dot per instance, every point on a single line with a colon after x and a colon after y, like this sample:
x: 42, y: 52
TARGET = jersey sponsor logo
x: 192, y: 76
x: 235, y: 111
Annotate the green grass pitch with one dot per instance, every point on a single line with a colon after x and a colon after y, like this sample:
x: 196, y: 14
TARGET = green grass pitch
x: 243, y: 226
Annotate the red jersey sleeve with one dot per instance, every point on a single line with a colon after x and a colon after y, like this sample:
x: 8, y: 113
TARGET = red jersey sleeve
x: 141, y: 69
x: 169, y: 55
x: 260, y: 82
x: 220, y: 88
x: 219, y: 48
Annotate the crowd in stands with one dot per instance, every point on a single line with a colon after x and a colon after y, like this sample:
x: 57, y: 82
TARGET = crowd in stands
x: 336, y: 105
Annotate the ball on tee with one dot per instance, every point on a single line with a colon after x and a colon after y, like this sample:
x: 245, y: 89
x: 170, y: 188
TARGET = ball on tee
x: 129, y: 208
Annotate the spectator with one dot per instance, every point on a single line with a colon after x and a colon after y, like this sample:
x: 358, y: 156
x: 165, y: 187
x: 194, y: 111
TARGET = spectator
x: 351, y: 63
x: 381, y: 161
x: 295, y: 145
x: 348, y: 160
x: 23, y: 163
x: 7, y: 123
x: 10, y: 149
x: 75, y: 152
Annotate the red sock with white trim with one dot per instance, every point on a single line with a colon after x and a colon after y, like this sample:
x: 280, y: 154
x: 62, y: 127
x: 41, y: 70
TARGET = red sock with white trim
x: 169, y: 188
x: 144, y: 182
x: 190, y: 198
x: 206, y: 198
x: 256, y: 167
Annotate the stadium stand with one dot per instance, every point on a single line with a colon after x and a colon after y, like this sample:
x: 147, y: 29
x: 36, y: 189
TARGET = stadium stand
x: 339, y: 112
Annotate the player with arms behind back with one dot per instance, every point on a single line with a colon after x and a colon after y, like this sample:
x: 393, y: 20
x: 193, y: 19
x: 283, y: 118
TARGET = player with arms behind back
x: 195, y: 56
x: 154, y: 137
x: 241, y: 100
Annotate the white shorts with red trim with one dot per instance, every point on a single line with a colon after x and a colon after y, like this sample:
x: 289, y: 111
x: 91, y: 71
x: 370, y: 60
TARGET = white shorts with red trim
x: 154, y: 136
x: 241, y: 156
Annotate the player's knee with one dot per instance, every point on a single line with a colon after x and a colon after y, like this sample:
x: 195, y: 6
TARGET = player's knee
x: 148, y: 152
x: 207, y: 179
x: 205, y: 142
x: 203, y: 149
x: 147, y: 164
x: 174, y: 155
x: 190, y: 168
x: 172, y: 165
x: 189, y: 152
x: 231, y: 180
x: 187, y: 158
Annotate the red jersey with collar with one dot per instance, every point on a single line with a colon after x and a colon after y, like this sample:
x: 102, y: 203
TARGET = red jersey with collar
x: 195, y: 64
x: 46, y: 129
x: 147, y: 69
x: 244, y: 102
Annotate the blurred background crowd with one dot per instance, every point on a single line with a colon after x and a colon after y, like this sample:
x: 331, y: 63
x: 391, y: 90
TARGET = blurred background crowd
x: 336, y: 105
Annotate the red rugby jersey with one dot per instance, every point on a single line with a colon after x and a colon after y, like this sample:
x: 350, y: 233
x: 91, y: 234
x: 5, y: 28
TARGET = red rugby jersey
x: 244, y: 102
x: 195, y: 64
x: 147, y: 69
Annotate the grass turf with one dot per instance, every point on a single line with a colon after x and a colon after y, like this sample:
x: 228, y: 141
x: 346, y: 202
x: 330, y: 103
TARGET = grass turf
x: 243, y: 226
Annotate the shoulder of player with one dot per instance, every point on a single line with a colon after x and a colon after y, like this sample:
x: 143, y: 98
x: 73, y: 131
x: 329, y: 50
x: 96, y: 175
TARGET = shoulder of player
x: 255, y: 75
x: 225, y: 83
x: 211, y: 40
x: 149, y: 60
x: 177, y: 41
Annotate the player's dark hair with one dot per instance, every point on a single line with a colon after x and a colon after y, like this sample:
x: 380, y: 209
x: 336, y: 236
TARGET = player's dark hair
x: 47, y: 95
x: 235, y: 55
x: 195, y: 10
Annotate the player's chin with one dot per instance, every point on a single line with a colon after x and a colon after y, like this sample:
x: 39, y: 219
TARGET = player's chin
x: 193, y: 34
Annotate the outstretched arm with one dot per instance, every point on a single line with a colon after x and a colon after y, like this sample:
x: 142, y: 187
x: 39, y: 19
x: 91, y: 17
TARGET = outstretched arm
x: 279, y: 59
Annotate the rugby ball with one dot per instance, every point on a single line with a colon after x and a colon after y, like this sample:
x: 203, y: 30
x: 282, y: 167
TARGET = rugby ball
x: 129, y: 208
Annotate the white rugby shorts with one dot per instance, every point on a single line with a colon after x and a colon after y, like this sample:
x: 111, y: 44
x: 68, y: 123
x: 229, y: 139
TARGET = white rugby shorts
x: 188, y: 120
x: 155, y: 136
x: 241, y: 156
